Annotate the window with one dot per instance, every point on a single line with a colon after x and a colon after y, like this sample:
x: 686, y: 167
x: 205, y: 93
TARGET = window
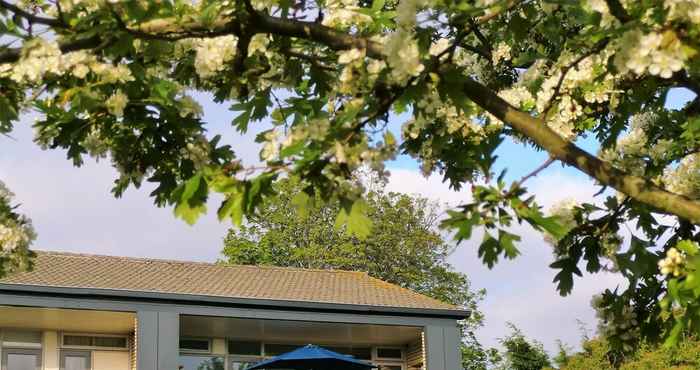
x: 21, y: 359
x: 21, y: 338
x: 95, y: 341
x: 76, y: 360
x: 278, y: 349
x: 195, y: 345
x: 245, y: 348
x: 361, y: 353
x: 389, y: 353
x: 390, y: 367
x: 242, y: 363
x: 195, y: 362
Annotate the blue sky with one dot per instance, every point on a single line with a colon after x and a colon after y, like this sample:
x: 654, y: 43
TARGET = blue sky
x: 73, y: 210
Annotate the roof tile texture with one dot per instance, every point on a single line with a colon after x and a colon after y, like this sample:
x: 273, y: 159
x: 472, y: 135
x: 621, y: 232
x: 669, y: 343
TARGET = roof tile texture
x: 70, y: 270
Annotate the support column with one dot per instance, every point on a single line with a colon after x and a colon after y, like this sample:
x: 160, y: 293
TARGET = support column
x: 442, y: 348
x: 157, y: 340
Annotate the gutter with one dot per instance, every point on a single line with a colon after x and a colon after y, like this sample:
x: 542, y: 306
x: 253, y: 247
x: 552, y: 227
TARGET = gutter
x: 222, y: 301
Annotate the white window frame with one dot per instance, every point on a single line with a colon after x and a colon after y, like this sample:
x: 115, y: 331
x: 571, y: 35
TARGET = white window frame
x: 208, y: 351
x: 94, y: 348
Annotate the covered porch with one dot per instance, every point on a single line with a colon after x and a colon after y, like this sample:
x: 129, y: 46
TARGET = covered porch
x: 53, y: 338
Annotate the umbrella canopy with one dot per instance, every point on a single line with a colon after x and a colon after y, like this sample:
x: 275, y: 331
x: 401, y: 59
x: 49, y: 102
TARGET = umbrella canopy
x: 311, y: 357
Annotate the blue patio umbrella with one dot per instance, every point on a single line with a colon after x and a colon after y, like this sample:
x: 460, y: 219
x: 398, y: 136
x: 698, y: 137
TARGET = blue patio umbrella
x: 311, y: 357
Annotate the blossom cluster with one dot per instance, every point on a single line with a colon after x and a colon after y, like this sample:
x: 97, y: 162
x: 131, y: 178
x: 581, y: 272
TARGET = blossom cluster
x: 576, y: 83
x: 633, y: 148
x: 673, y: 263
x: 685, y: 177
x: 659, y: 54
x: 197, y: 151
x: 41, y: 58
x: 213, y: 53
x: 16, y: 231
x: 345, y: 14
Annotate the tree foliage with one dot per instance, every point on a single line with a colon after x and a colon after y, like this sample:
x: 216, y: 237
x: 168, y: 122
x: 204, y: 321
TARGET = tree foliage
x: 404, y: 247
x: 116, y: 78
x: 521, y: 353
x: 599, y: 354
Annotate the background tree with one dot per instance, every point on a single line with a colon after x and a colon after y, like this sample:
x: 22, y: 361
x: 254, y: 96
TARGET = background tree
x: 521, y: 353
x: 404, y: 248
x: 115, y: 79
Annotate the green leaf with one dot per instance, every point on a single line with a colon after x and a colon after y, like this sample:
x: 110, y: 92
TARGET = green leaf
x: 233, y: 207
x: 302, y: 203
x: 506, y: 240
x: 190, y: 213
x: 356, y: 220
x: 488, y: 250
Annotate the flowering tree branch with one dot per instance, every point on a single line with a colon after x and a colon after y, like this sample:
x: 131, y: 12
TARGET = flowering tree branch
x: 636, y: 187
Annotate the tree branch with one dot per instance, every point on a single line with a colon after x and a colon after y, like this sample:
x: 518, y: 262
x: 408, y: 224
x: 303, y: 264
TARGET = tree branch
x: 636, y: 187
x: 618, y: 11
x: 31, y: 18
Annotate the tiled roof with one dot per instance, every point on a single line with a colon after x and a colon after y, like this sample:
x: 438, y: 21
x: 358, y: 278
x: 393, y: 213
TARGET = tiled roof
x: 69, y: 270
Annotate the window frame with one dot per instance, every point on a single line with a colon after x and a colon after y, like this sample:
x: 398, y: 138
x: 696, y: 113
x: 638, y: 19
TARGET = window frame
x: 189, y: 351
x: 20, y: 345
x: 38, y: 352
x: 87, y: 353
x: 62, y: 344
x: 402, y: 359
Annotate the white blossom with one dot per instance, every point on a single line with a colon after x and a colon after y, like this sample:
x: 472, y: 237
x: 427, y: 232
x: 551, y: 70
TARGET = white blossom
x: 349, y: 56
x: 344, y: 14
x: 685, y: 178
x: 213, y: 53
x: 198, y: 151
x: 403, y: 56
x: 673, y: 263
x: 258, y: 44
x: 439, y: 46
x: 95, y: 144
x: 116, y: 103
x: 659, y: 54
x: 501, y: 52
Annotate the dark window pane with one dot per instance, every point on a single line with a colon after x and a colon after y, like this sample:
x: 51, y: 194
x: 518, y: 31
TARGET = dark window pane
x: 389, y: 353
x: 113, y: 342
x: 194, y: 344
x: 359, y: 352
x: 22, y: 337
x: 362, y: 353
x: 278, y: 349
x: 201, y: 363
x: 237, y: 347
x: 77, y: 340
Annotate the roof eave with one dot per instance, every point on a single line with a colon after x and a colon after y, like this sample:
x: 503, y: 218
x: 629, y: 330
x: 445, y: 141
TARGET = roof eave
x: 209, y: 300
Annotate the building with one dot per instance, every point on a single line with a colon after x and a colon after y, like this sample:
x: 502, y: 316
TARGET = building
x: 89, y: 312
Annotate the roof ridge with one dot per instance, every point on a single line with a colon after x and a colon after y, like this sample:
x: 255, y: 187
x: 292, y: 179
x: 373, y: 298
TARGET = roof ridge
x: 185, y: 262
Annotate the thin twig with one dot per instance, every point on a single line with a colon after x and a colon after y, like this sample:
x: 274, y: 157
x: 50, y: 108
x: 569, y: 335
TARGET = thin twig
x: 599, y: 46
x: 534, y: 173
